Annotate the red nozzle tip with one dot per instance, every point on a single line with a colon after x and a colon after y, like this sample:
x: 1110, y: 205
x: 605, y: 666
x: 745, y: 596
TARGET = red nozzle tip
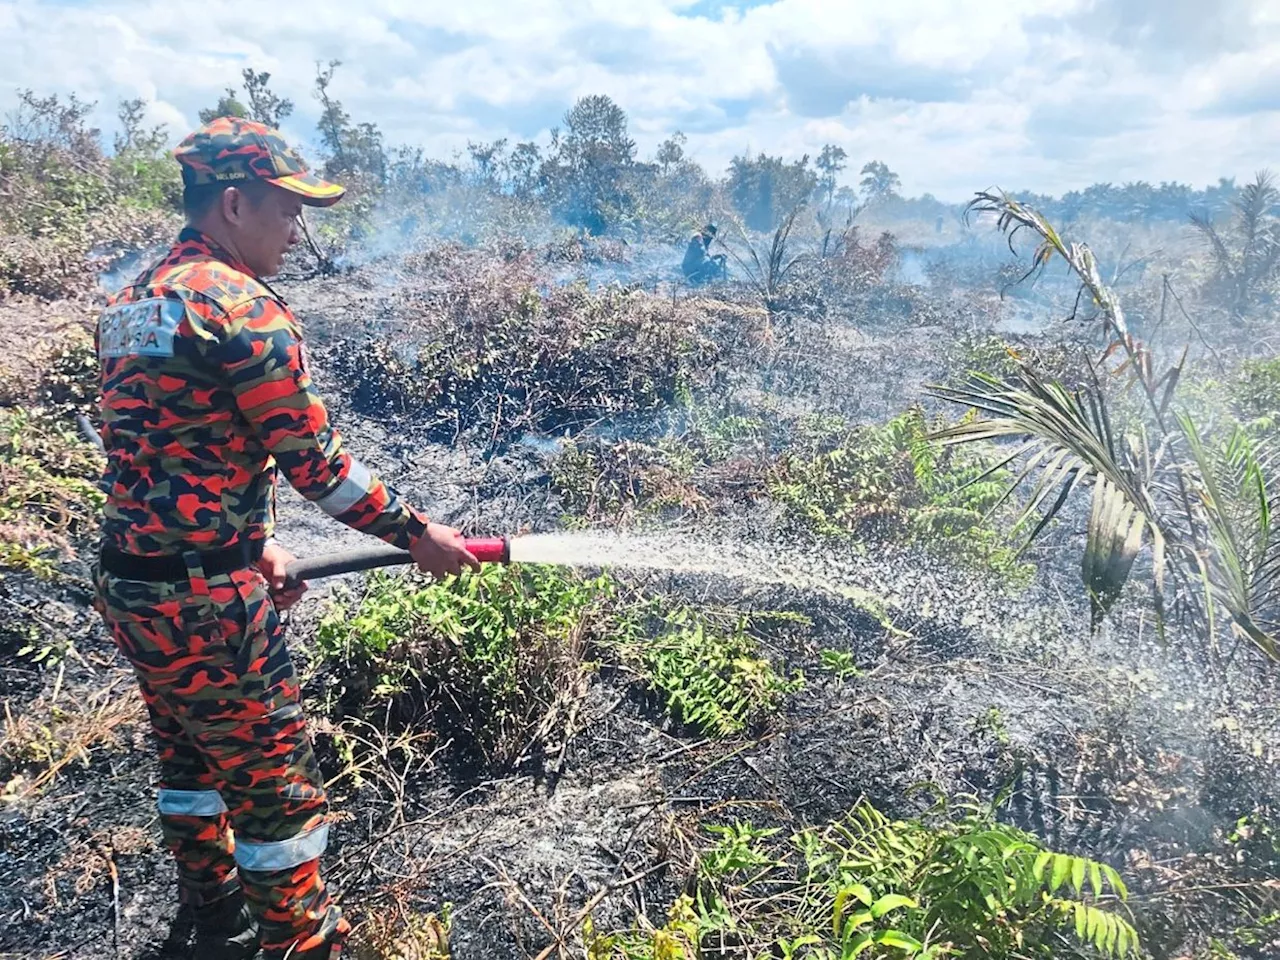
x: 490, y: 549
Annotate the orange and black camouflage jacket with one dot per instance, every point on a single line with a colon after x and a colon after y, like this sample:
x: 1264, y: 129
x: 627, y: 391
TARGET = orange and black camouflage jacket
x: 205, y: 390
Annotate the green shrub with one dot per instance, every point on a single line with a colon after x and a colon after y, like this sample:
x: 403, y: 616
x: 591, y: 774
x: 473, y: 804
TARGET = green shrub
x: 48, y: 489
x: 489, y: 659
x: 709, y: 677
x: 67, y: 209
x: 892, y: 483
x: 1257, y: 392
x: 494, y: 661
x: 73, y: 382
x: 615, y: 482
x: 710, y: 460
x: 956, y: 883
x: 48, y: 500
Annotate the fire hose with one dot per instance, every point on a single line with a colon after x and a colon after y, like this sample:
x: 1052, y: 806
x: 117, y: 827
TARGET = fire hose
x: 484, y: 549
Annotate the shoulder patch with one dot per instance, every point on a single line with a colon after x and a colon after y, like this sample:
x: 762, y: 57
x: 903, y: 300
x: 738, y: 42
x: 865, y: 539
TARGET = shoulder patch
x: 214, y: 282
x: 144, y: 328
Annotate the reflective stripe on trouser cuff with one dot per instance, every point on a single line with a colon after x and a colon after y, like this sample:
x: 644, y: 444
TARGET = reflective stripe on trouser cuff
x: 282, y: 854
x: 190, y: 803
x: 349, y: 492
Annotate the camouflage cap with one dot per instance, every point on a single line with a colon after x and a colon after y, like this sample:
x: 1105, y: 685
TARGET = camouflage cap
x: 230, y: 148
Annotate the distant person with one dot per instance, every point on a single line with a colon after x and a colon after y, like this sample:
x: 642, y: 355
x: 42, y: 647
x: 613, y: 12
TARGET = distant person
x: 698, y: 266
x: 206, y: 393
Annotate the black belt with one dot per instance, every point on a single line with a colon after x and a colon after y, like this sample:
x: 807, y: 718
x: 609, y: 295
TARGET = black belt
x: 173, y: 567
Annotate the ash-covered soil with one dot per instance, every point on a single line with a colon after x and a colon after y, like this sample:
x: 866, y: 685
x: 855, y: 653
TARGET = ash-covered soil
x: 1103, y: 746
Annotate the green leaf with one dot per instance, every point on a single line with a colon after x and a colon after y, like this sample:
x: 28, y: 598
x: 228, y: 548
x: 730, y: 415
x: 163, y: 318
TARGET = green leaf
x: 1117, y: 883
x: 862, y: 892
x: 1061, y: 870
x: 1077, y: 874
x: 896, y: 938
x: 852, y: 948
x: 890, y: 901
x: 1042, y: 861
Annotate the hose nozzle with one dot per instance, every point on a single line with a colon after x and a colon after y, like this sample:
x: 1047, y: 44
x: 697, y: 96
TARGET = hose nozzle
x: 490, y: 549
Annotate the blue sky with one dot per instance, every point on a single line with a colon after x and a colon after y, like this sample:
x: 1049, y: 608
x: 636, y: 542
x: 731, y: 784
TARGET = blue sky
x: 955, y: 95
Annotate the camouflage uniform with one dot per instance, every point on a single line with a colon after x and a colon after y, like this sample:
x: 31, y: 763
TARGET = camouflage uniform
x: 206, y: 394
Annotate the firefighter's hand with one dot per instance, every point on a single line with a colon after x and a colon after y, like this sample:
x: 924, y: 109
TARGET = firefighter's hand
x: 442, y: 551
x: 275, y: 559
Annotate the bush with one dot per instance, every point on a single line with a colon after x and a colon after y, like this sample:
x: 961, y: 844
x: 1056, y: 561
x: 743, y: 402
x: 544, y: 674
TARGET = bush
x: 497, y: 355
x: 495, y: 661
x: 489, y: 660
x: 709, y: 460
x: 710, y: 677
x: 1257, y: 392
x: 955, y: 883
x: 67, y: 210
x: 890, y: 483
x: 605, y: 482
x: 73, y: 382
x: 48, y: 491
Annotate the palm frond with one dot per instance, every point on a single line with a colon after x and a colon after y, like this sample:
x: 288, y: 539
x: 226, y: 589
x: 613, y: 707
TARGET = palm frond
x: 1114, y: 539
x: 1244, y: 565
x: 1207, y: 510
x: 1223, y: 260
x: 1069, y: 440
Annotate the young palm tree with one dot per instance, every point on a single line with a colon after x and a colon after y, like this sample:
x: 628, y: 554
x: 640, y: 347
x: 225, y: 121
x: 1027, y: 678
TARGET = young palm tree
x: 768, y: 273
x: 1247, y: 261
x: 1203, y: 507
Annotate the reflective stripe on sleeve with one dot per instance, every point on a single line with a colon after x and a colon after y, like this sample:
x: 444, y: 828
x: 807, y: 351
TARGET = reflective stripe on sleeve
x: 349, y: 492
x: 190, y: 803
x: 282, y: 854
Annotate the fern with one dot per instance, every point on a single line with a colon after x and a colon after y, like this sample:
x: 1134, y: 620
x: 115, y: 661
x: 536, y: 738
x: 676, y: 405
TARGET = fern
x: 714, y: 680
x: 892, y: 481
x: 955, y: 884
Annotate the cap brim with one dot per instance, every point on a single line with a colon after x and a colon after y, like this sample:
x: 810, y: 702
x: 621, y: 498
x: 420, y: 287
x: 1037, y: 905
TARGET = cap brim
x: 314, y: 191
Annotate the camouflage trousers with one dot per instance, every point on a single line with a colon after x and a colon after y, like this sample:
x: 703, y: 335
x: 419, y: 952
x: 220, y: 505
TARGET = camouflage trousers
x: 241, y: 797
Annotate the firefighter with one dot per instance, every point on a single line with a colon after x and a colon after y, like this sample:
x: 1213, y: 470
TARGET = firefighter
x: 698, y: 267
x: 206, y: 394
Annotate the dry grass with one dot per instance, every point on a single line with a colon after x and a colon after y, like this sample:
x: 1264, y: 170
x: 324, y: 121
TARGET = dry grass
x: 92, y: 860
x: 41, y: 741
x: 484, y: 346
x: 398, y: 933
x: 36, y: 332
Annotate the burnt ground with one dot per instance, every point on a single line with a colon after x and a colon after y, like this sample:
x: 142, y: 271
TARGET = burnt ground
x: 1103, y: 746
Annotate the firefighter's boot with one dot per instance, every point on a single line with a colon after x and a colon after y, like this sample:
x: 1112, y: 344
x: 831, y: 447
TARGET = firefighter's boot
x: 225, y: 929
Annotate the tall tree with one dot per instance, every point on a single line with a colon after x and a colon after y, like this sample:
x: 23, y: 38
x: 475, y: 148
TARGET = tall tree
x: 591, y: 163
x: 830, y: 163
x: 879, y: 183
x: 351, y: 148
x: 522, y: 167
x: 133, y: 136
x: 488, y: 159
x: 228, y: 105
x: 264, y: 105
x: 671, y: 151
x: 765, y: 190
x: 1246, y: 252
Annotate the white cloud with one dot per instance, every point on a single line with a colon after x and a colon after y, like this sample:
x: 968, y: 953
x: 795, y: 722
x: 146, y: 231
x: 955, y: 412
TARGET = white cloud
x: 953, y: 94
